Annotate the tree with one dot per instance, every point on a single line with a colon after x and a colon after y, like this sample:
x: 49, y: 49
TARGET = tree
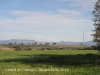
x: 46, y: 43
x: 96, y: 13
x: 35, y: 43
x: 54, y: 43
x: 15, y: 43
x: 10, y: 43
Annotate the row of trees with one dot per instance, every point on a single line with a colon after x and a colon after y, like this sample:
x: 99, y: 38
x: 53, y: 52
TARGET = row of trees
x: 28, y: 46
x: 48, y: 47
x: 30, y: 43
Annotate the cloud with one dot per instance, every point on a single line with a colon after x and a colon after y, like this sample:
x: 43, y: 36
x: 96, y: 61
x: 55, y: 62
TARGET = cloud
x: 44, y: 25
x: 69, y: 12
x: 86, y: 4
x: 82, y: 4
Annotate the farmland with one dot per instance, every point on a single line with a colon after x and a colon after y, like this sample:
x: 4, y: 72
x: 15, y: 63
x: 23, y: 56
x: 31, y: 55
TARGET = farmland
x: 44, y: 47
x: 50, y: 62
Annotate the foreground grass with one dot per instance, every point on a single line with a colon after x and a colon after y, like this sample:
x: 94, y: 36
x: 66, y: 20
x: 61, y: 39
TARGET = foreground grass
x: 55, y: 62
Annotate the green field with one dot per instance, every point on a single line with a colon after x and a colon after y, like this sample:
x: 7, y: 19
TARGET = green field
x: 50, y: 62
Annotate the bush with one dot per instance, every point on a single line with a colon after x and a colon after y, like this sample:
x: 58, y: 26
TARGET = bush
x: 28, y: 49
x: 17, y: 48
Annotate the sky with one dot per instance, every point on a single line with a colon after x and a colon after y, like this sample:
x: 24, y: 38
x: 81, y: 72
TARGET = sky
x: 47, y: 20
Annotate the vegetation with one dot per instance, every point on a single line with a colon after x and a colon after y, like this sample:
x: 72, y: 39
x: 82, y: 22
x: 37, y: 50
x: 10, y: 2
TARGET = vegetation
x: 47, y: 62
x: 46, y: 46
x: 96, y: 14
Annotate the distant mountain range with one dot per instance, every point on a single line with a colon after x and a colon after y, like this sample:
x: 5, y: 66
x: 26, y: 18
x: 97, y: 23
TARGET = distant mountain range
x: 89, y: 43
x: 26, y: 41
x: 18, y: 41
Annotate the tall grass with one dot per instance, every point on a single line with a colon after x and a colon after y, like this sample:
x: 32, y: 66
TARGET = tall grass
x: 55, y: 62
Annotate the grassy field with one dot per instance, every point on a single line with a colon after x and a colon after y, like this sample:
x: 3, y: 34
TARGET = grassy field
x: 46, y: 62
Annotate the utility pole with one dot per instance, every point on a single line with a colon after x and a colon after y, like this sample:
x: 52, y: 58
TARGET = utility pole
x: 83, y: 40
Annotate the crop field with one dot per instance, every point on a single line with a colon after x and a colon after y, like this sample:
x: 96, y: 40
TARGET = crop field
x: 50, y: 62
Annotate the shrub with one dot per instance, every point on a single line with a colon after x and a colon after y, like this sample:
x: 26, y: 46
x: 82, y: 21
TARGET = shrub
x: 28, y: 49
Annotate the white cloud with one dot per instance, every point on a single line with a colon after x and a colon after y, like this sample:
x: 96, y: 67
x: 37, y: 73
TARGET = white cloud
x: 83, y: 4
x: 69, y: 12
x: 45, y: 26
x: 41, y: 19
x: 86, y: 4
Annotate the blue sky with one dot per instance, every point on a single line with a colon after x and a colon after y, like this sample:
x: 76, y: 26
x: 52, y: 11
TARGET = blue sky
x: 46, y: 20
